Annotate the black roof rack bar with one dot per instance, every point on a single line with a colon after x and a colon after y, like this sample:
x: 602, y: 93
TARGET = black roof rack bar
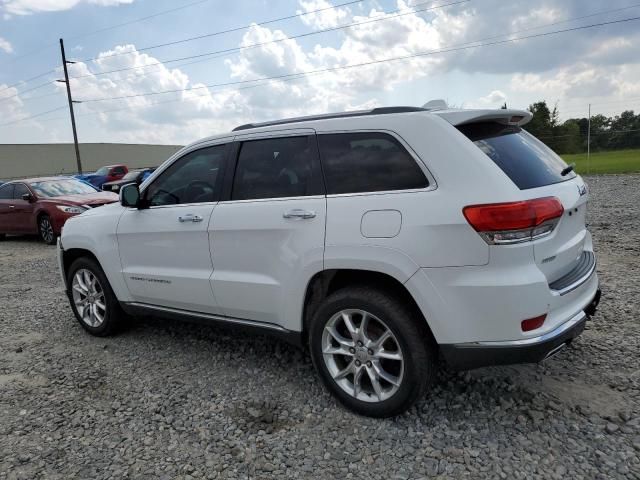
x: 358, y: 113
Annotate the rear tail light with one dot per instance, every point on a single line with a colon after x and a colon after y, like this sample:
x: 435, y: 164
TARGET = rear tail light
x: 514, y: 222
x: 533, y: 323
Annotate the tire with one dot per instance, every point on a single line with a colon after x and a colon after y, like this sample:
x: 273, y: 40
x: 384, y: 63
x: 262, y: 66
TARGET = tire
x: 107, y: 320
x: 2, y: 236
x: 409, y: 339
x: 45, y: 229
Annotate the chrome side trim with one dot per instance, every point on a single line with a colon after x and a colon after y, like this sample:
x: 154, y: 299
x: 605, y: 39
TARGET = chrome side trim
x: 208, y: 316
x: 577, y: 283
x: 533, y: 340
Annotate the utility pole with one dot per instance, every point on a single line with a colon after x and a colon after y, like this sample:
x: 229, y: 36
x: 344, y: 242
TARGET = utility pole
x: 589, y: 142
x: 71, y: 102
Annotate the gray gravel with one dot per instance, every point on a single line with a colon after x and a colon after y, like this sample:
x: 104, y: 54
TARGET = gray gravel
x: 172, y: 400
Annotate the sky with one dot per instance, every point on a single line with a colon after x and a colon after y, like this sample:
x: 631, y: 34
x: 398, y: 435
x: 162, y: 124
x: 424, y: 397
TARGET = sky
x: 133, y: 88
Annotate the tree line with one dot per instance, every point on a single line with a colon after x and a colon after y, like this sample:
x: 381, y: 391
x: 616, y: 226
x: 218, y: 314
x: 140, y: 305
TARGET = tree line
x: 607, y: 133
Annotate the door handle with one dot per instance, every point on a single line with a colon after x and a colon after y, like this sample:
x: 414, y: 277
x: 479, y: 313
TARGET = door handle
x: 12, y: 206
x: 299, y: 213
x: 190, y: 218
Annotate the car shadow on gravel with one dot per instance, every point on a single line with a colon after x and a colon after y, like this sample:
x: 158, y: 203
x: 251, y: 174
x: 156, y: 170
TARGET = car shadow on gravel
x: 521, y: 394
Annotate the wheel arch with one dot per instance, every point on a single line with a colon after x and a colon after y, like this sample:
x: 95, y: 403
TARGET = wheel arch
x: 325, y: 282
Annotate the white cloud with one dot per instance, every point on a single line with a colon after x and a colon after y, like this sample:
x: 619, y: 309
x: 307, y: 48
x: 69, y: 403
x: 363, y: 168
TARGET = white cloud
x: 327, y: 18
x: 495, y: 99
x: 5, y: 46
x: 28, y: 7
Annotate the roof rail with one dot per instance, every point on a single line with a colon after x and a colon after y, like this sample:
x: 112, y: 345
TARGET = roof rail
x: 358, y: 113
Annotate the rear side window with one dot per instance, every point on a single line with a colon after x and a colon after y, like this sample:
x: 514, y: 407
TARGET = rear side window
x: 527, y: 161
x: 6, y: 192
x: 276, y: 168
x: 367, y: 162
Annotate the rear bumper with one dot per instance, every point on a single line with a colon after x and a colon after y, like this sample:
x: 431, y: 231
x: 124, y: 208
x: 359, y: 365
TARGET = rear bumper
x: 466, y: 356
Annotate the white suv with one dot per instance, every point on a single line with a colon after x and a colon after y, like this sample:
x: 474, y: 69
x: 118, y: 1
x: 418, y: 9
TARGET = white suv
x: 380, y: 239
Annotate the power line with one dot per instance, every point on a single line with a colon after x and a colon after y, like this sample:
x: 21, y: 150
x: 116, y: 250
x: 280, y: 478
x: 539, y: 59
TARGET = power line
x: 141, y: 19
x: 230, y: 30
x: 392, y: 14
x: 22, y: 82
x: 33, y: 116
x: 255, y: 45
x: 25, y: 91
x: 221, y: 53
x: 104, y: 29
x: 373, y: 62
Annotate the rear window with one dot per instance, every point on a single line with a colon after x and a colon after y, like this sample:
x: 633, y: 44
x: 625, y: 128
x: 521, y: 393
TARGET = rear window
x: 527, y: 161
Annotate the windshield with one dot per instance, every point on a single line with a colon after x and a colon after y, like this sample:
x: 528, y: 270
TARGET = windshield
x: 102, y: 171
x: 58, y: 188
x: 527, y: 161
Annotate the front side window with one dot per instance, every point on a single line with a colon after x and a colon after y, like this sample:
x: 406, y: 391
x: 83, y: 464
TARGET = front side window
x: 367, y: 162
x: 195, y: 178
x: 20, y: 190
x: 58, y: 188
x: 276, y: 168
x: 6, y: 192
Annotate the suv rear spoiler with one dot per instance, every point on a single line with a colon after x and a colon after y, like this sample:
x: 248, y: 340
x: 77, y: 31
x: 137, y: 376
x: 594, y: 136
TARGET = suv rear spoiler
x: 504, y: 116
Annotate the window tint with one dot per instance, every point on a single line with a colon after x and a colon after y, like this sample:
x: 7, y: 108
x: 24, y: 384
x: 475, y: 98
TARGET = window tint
x: 367, y: 162
x: 195, y: 178
x: 6, y: 192
x: 19, y: 190
x: 118, y: 171
x: 527, y: 161
x: 275, y: 168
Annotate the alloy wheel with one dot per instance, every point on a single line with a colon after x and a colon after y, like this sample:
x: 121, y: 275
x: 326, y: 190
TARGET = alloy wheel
x: 363, y: 355
x: 46, y: 229
x: 88, y: 297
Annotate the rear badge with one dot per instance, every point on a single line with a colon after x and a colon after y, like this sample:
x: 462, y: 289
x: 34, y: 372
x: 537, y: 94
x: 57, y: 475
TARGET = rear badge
x: 582, y: 189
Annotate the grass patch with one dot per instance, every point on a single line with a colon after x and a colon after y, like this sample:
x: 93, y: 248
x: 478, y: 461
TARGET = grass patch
x: 620, y: 161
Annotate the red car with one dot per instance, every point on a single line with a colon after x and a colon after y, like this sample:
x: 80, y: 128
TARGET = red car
x: 42, y: 205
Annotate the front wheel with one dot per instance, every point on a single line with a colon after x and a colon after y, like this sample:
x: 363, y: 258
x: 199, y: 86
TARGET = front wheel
x: 45, y: 228
x: 371, y: 351
x: 92, y: 300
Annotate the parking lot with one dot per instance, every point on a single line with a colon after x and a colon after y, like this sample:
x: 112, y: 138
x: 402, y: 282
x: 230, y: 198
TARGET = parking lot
x: 174, y: 400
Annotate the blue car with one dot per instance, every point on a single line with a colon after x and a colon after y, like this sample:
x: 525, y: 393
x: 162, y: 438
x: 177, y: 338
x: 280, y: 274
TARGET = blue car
x: 105, y: 174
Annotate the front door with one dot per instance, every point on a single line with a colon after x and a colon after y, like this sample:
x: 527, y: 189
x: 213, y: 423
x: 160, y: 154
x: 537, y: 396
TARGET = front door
x: 22, y: 214
x: 164, y: 248
x: 269, y: 235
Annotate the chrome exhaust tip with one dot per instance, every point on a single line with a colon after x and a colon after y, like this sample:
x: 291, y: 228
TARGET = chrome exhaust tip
x: 555, y: 351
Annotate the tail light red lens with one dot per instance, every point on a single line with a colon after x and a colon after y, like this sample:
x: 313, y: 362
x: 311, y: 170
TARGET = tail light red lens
x: 533, y: 323
x: 515, y: 222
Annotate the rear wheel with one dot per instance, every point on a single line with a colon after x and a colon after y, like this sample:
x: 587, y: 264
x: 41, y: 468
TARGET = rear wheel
x: 371, y: 351
x: 92, y: 300
x: 46, y: 230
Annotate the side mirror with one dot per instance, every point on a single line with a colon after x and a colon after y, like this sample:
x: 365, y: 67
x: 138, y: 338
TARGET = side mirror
x: 27, y: 197
x: 130, y: 195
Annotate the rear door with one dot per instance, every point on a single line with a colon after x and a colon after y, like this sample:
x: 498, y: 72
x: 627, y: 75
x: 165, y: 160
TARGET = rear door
x: 164, y: 249
x: 268, y: 235
x: 538, y: 172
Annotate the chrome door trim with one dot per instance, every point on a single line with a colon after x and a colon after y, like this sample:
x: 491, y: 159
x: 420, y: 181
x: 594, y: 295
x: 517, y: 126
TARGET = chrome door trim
x: 207, y: 316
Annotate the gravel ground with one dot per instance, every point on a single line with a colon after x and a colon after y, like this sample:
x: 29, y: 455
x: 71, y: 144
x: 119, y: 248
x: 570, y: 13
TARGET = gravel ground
x: 172, y: 400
